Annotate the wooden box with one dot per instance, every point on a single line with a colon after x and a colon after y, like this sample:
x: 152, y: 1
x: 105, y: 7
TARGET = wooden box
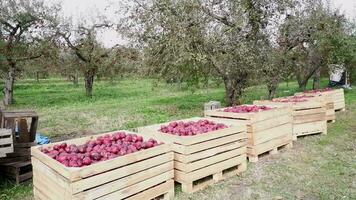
x: 266, y: 130
x: 145, y: 174
x: 326, y: 100
x: 337, y: 96
x: 6, y: 142
x: 203, y: 159
x: 309, y: 117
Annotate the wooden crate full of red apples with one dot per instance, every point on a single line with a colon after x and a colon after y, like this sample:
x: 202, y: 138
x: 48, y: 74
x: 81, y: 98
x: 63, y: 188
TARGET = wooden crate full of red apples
x: 309, y: 116
x: 325, y: 99
x: 268, y: 127
x: 205, y: 150
x: 337, y: 96
x: 115, y: 165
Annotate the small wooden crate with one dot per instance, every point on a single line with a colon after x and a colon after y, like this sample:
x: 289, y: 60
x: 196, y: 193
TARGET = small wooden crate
x: 145, y: 174
x: 18, y: 171
x: 6, y: 142
x: 337, y: 96
x: 309, y: 117
x: 266, y: 131
x: 204, y: 159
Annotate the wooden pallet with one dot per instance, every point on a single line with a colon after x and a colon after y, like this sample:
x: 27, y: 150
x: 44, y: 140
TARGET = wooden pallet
x: 18, y: 171
x: 273, y: 151
x: 309, y: 117
x: 146, y: 174
x: 204, y: 159
x: 266, y: 130
x: 22, y: 152
x: 6, y: 142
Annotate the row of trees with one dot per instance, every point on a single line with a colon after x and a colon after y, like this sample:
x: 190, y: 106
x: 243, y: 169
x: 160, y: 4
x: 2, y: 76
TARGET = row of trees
x: 33, y: 34
x: 182, y: 40
x: 272, y: 40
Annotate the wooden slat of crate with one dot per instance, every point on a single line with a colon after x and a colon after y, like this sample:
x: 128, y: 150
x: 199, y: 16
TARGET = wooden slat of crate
x: 6, y: 142
x: 268, y: 124
x: 251, y: 117
x: 131, y: 173
x: 209, y: 152
x: 194, y: 181
x: 269, y: 146
x: 310, y: 128
x: 205, y: 154
x: 192, y: 166
x: 127, y: 181
x: 309, y: 118
x: 259, y: 137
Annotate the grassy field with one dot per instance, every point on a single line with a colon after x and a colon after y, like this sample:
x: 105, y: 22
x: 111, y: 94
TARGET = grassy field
x: 318, y: 167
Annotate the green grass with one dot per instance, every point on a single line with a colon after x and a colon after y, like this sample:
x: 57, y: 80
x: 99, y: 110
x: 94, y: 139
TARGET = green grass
x: 319, y: 167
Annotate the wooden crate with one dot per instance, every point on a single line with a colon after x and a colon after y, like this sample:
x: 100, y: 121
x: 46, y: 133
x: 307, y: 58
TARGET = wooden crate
x: 18, y: 171
x: 326, y: 100
x: 22, y: 152
x: 6, y: 142
x: 266, y: 130
x: 309, y: 117
x: 204, y: 159
x: 337, y: 96
x: 145, y: 174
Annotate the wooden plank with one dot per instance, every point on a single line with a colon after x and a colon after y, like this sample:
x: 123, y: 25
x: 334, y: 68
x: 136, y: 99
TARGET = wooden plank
x: 309, y: 118
x: 166, y: 188
x: 124, y: 182
x: 209, y: 152
x: 24, y: 145
x: 5, y: 132
x: 211, y: 143
x: 189, y: 167
x: 134, y: 189
x: 309, y: 128
x: 267, y: 146
x: 220, y: 113
x: 4, y: 141
x: 259, y: 137
x: 18, y: 114
x: 252, y: 117
x: 309, y: 111
x: 183, y: 177
x: 267, y: 124
x: 118, y: 173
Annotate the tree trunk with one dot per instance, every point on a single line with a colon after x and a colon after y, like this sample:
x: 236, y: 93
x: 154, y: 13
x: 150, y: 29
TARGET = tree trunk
x: 233, y: 91
x: 89, y: 82
x: 37, y: 77
x: 9, y: 85
x: 271, y: 91
x: 316, y: 80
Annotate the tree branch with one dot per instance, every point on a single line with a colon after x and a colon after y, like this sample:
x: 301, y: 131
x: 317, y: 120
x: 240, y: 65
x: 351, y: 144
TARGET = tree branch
x: 222, y: 19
